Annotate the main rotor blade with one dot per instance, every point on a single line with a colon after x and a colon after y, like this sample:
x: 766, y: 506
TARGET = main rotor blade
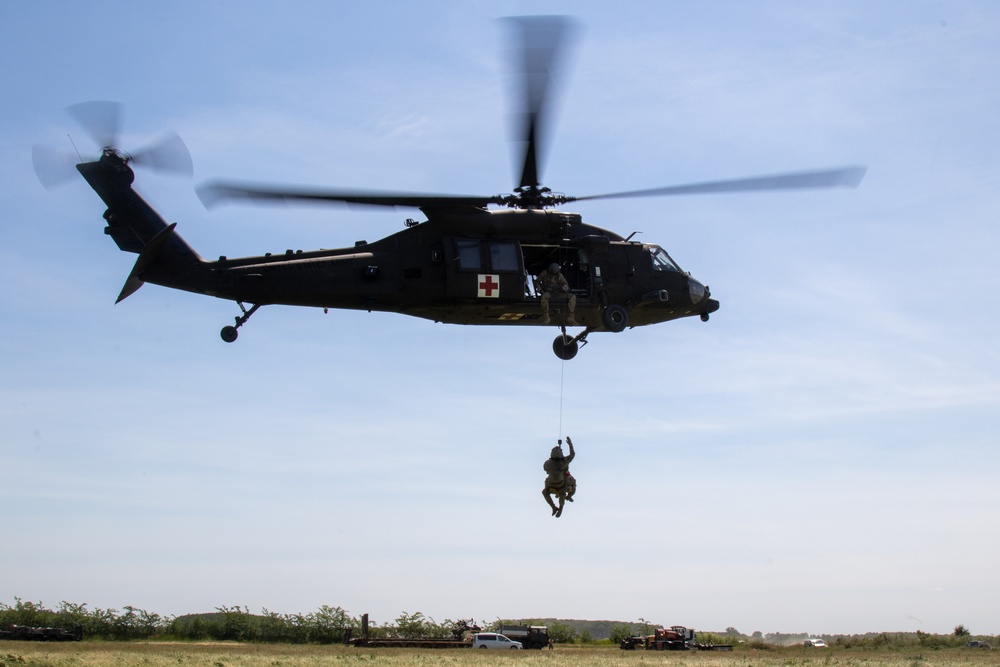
x: 846, y: 177
x: 542, y: 39
x: 217, y: 192
x: 101, y: 120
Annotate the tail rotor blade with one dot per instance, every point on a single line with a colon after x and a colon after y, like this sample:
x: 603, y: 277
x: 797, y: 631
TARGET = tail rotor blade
x: 101, y: 120
x: 53, y: 167
x: 168, y: 154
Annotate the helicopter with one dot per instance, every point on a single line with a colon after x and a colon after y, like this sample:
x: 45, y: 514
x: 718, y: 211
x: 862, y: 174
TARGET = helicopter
x: 471, y: 261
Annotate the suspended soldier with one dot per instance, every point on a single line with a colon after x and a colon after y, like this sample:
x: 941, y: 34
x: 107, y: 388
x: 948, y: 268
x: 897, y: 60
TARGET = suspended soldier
x: 559, y: 482
x: 552, y: 283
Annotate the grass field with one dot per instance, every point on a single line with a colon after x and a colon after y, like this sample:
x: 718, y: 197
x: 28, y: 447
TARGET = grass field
x: 92, y: 654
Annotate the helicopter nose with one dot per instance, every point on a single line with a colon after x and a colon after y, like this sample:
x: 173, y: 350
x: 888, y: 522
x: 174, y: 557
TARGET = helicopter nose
x: 696, y: 290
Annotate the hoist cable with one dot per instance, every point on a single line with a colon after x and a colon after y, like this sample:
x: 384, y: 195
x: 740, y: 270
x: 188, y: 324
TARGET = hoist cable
x: 562, y: 386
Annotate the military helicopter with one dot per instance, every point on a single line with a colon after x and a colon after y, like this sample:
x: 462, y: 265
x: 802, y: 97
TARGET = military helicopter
x: 467, y: 263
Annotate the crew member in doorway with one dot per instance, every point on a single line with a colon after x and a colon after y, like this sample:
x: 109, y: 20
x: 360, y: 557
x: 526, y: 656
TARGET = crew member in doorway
x: 558, y: 481
x: 552, y: 283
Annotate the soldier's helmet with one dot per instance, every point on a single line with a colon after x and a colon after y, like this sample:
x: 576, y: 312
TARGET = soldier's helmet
x: 557, y: 453
x: 554, y: 268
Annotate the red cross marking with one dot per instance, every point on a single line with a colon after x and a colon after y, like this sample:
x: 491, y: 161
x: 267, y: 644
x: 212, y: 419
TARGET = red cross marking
x: 487, y: 285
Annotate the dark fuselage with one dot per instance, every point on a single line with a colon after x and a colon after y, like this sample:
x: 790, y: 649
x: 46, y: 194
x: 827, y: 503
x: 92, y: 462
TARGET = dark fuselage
x: 463, y: 265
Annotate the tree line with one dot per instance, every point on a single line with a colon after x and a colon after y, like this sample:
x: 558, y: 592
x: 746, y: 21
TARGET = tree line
x: 330, y: 625
x: 326, y: 625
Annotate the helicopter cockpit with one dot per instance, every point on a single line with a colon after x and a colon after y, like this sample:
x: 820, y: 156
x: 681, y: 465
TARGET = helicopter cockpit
x: 661, y: 260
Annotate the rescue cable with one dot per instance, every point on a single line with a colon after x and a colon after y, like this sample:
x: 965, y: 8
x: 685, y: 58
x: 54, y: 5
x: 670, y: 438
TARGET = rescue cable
x: 562, y: 386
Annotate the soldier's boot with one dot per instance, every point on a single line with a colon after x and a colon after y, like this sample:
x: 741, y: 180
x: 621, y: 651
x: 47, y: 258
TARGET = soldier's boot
x: 571, y: 306
x: 545, y: 312
x: 548, y: 499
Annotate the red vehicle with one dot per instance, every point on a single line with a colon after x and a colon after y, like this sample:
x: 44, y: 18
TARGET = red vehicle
x: 674, y: 638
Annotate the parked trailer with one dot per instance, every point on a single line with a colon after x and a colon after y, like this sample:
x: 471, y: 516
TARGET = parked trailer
x: 457, y: 640
x: 419, y: 642
x: 26, y: 634
x: 530, y: 636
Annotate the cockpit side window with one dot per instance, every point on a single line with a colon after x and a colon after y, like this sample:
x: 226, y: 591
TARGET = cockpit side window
x: 661, y: 260
x: 468, y: 255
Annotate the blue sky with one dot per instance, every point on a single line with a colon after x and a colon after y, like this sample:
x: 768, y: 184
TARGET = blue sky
x: 819, y: 457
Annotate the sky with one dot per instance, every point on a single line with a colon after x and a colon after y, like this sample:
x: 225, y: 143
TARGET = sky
x: 821, y: 456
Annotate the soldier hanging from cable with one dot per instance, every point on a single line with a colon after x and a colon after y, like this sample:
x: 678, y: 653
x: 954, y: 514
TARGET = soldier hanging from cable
x: 559, y: 482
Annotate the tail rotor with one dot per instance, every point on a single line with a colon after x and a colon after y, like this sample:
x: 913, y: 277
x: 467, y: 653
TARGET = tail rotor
x: 102, y: 122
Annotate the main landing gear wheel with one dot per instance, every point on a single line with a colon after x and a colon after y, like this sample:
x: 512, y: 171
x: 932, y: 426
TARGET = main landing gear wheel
x: 614, y: 318
x: 229, y: 334
x: 565, y: 347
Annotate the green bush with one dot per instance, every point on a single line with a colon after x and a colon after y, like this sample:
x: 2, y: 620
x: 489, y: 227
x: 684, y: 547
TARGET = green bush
x: 619, y: 633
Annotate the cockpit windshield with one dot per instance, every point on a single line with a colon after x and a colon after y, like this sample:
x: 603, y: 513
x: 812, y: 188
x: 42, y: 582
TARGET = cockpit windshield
x: 661, y: 260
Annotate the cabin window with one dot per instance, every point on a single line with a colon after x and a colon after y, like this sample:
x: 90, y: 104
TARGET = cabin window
x: 661, y: 260
x: 491, y: 255
x: 504, y: 256
x: 468, y: 254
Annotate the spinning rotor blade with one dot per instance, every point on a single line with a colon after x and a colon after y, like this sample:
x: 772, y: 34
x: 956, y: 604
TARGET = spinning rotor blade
x: 101, y: 120
x: 168, y: 154
x: 53, y: 167
x: 847, y: 177
x: 102, y: 123
x: 541, y: 41
x: 217, y: 192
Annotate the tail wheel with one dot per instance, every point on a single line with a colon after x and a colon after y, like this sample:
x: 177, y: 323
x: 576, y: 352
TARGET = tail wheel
x: 231, y: 333
x: 614, y: 318
x: 565, y: 347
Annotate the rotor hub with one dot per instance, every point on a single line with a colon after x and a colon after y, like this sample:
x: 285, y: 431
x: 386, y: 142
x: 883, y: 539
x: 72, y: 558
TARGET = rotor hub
x: 534, y: 197
x: 115, y: 159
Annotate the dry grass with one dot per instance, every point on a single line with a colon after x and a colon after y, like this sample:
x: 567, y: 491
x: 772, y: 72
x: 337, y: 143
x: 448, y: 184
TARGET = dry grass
x: 88, y: 654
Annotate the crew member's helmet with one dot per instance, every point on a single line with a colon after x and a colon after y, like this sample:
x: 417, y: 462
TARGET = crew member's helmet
x: 554, y: 268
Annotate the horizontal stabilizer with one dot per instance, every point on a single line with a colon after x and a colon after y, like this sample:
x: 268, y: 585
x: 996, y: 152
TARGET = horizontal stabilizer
x: 147, y: 256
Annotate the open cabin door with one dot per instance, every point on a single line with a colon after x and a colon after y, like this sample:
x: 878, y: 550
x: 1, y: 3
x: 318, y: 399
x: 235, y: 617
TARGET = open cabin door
x: 581, y: 263
x: 487, y: 269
